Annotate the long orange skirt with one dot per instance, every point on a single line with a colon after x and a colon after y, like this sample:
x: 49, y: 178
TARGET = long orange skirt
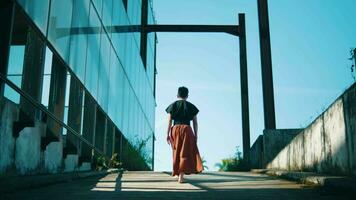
x: 186, y: 156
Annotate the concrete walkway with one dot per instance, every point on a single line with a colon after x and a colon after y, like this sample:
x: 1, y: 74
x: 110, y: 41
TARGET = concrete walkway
x: 157, y: 185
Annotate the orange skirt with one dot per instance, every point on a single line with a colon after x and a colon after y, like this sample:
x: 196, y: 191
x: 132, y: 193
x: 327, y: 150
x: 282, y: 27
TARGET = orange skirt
x: 186, y: 156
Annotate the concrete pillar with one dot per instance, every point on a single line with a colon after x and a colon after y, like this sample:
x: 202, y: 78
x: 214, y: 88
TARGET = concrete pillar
x: 32, y: 75
x: 89, y: 119
x: 56, y: 98
x: 266, y: 64
x: 74, y: 115
x: 244, y: 89
x: 7, y: 10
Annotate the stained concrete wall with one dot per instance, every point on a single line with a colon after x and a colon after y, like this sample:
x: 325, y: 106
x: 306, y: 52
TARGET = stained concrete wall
x: 23, y: 155
x: 9, y: 113
x: 275, y: 140
x: 327, y: 145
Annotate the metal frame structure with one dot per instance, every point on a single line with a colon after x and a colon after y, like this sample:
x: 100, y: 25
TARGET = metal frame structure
x: 236, y: 30
x: 7, y: 9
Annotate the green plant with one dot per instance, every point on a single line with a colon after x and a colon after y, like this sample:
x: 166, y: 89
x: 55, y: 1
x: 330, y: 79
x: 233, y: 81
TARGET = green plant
x: 135, y: 155
x: 101, y: 163
x: 204, y: 163
x: 114, y: 161
x: 234, y: 163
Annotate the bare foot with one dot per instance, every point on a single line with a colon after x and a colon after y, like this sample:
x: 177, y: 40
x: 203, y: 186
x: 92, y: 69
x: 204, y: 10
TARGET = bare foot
x: 180, y: 178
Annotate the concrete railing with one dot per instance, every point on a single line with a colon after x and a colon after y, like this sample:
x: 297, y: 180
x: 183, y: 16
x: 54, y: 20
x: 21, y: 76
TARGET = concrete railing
x: 327, y: 145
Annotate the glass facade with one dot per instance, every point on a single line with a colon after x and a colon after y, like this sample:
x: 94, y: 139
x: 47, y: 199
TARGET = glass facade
x: 89, y: 37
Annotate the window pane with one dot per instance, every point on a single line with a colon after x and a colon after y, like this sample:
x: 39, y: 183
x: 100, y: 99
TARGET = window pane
x: 104, y: 70
x: 79, y: 39
x: 59, y: 26
x: 92, y: 66
x: 38, y: 11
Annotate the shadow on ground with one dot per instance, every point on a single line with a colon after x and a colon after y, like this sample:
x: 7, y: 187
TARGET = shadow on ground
x: 157, y: 185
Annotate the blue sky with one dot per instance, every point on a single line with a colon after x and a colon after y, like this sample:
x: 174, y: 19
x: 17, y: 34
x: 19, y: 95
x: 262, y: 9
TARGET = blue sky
x: 310, y: 40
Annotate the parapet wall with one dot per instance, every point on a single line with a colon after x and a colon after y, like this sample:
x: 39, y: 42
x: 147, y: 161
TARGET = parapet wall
x: 327, y: 145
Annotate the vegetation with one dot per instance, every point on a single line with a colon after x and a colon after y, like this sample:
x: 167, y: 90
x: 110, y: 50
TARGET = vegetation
x: 205, y: 167
x: 135, y: 156
x: 353, y: 60
x: 102, y: 162
x: 234, y: 163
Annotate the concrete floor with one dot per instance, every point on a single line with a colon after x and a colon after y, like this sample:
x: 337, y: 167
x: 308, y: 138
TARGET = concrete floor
x: 160, y: 185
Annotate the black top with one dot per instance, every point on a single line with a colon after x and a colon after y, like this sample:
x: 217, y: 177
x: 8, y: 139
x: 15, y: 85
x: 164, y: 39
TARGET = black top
x: 182, y: 111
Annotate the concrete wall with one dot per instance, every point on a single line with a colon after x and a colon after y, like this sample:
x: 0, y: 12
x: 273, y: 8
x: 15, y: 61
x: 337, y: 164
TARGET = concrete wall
x: 8, y: 115
x: 256, y: 153
x: 275, y: 140
x: 23, y: 155
x: 327, y: 145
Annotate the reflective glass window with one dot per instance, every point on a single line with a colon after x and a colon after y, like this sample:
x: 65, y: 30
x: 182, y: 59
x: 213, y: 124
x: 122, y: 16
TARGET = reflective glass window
x: 79, y: 37
x: 104, y: 72
x: 60, y: 26
x: 93, y: 51
x: 38, y: 11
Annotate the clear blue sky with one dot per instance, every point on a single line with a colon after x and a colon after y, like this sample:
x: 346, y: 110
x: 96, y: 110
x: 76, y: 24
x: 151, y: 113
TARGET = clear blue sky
x: 310, y: 39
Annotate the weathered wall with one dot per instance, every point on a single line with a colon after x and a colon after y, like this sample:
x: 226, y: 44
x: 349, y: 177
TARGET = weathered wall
x: 23, y: 155
x: 275, y: 140
x: 327, y: 145
x: 8, y: 114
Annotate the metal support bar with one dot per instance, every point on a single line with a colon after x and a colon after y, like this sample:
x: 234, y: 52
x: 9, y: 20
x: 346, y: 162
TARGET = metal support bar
x: 32, y: 74
x: 57, y: 94
x: 244, y: 89
x: 49, y: 114
x: 74, y: 114
x: 89, y: 124
x: 7, y: 10
x: 143, y: 42
x: 231, y: 29
x: 266, y: 64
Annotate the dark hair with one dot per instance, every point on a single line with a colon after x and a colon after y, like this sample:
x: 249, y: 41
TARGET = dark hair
x: 183, y: 92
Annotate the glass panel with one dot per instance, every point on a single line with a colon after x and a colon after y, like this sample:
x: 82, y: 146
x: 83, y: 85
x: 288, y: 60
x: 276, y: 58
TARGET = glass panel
x: 14, y: 73
x: 119, y: 18
x: 98, y: 5
x: 38, y: 11
x: 9, y: 92
x: 79, y: 39
x: 107, y: 14
x: 59, y: 26
x: 47, y: 77
x: 104, y: 72
x: 93, y: 51
x: 134, y: 14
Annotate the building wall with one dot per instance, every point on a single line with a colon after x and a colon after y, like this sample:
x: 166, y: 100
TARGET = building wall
x: 105, y: 61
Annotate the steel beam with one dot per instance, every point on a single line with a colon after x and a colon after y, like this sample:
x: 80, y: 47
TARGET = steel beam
x: 7, y: 10
x: 266, y: 64
x: 74, y: 115
x: 244, y: 89
x: 32, y: 74
x: 143, y: 41
x: 57, y: 94
x: 231, y: 29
